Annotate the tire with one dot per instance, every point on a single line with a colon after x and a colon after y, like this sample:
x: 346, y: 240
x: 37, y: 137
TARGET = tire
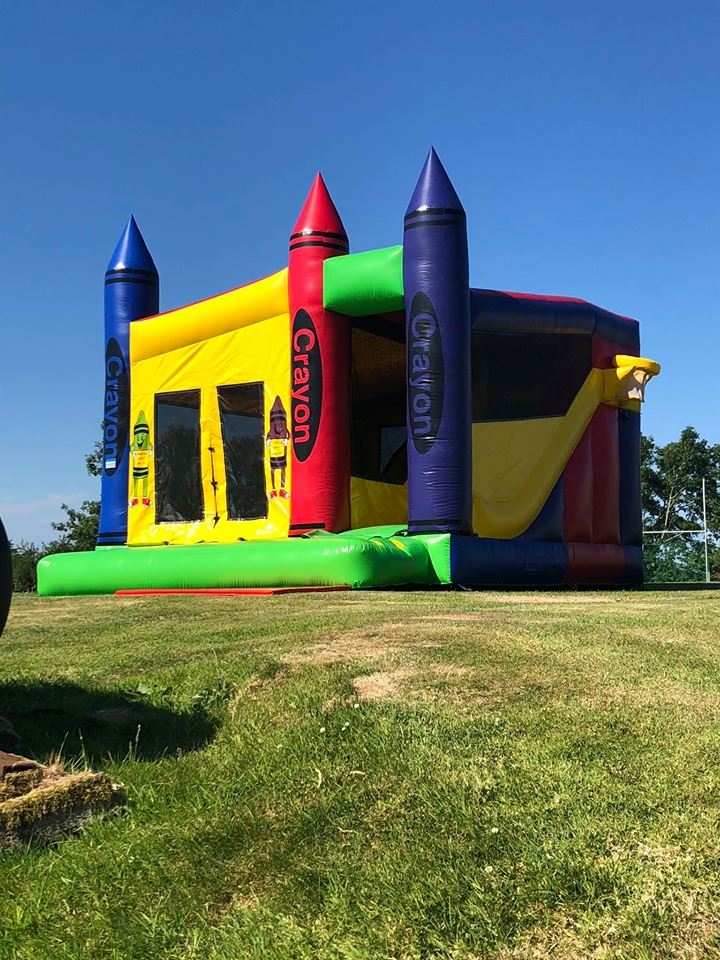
x: 6, y: 581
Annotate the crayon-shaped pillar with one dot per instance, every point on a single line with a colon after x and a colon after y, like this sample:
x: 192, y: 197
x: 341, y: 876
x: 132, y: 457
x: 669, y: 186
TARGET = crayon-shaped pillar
x: 437, y: 308
x: 132, y: 291
x: 320, y: 363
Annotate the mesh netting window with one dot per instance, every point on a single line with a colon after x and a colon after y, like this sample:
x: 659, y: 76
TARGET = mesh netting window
x: 178, y: 485
x: 523, y: 376
x: 242, y: 417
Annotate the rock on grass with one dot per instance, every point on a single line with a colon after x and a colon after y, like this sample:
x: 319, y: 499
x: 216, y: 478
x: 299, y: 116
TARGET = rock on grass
x: 44, y: 803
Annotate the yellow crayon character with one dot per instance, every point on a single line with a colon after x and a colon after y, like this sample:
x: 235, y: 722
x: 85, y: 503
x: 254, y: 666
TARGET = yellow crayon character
x: 140, y: 452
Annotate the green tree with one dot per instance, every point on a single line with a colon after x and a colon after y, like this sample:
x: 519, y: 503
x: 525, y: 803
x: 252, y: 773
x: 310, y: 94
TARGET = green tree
x: 671, y: 480
x: 673, y: 559
x: 25, y: 557
x: 79, y: 529
x: 93, y: 460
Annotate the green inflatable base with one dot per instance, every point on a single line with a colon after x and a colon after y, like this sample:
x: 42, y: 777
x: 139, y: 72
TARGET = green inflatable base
x: 371, y: 557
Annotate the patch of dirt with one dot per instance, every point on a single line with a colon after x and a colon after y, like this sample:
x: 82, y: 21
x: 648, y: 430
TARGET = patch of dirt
x: 572, y: 600
x: 365, y: 643
x: 460, y: 617
x: 382, y: 684
x: 32, y: 611
x: 388, y: 683
x: 447, y: 671
x: 388, y: 640
x: 694, y: 937
x: 654, y: 693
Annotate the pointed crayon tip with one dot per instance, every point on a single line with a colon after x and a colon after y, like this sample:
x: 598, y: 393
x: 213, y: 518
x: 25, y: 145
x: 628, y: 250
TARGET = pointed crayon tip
x: 434, y: 188
x: 319, y: 213
x: 131, y: 252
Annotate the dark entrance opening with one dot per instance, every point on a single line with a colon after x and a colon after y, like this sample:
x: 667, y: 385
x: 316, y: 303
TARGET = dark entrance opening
x: 525, y: 376
x: 242, y: 418
x: 178, y: 485
x: 378, y: 416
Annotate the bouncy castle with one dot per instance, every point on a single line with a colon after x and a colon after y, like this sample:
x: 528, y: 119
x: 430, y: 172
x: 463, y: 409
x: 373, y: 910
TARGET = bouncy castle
x: 363, y: 420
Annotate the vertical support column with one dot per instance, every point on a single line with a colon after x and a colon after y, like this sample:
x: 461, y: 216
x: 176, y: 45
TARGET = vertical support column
x: 631, y: 535
x: 630, y: 503
x: 320, y: 363
x: 606, y: 475
x: 132, y: 291
x: 578, y: 490
x: 437, y: 306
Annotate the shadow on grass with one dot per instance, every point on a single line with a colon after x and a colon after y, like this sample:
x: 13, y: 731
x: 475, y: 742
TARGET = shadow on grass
x: 40, y: 720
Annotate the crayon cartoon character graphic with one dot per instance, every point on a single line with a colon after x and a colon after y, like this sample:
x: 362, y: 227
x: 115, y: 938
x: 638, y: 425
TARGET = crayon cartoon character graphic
x: 276, y: 441
x: 140, y: 452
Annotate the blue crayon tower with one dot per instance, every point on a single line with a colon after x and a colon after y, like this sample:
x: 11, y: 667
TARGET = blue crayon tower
x: 437, y: 309
x: 132, y: 291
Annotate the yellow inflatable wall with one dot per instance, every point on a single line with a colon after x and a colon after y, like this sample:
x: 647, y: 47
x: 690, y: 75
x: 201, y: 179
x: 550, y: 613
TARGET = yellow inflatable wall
x: 237, y: 338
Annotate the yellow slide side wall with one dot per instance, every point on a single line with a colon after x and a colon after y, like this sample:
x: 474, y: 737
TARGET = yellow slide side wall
x: 196, y: 322
x: 373, y: 503
x: 516, y: 463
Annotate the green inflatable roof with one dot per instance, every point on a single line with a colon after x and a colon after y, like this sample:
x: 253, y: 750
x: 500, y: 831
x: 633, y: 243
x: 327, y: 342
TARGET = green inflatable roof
x: 361, y: 284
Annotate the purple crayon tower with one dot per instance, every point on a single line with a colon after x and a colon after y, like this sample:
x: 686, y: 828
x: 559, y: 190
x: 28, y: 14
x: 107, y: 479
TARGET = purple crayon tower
x: 132, y: 291
x: 437, y: 308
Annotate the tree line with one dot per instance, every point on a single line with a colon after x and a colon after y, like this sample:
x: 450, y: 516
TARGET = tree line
x: 671, y: 484
x: 671, y: 480
x: 77, y: 531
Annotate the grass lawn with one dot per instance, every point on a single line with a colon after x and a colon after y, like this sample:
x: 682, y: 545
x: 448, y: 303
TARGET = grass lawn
x: 383, y: 775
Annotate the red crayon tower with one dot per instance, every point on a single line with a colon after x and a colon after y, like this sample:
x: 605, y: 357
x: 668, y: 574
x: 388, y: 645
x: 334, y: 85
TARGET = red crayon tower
x: 320, y: 359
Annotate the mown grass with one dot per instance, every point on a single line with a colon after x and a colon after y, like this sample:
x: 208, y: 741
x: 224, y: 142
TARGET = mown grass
x: 422, y: 775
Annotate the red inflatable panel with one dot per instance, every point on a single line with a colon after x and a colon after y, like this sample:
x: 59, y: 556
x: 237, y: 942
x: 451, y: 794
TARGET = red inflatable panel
x: 604, y: 351
x: 320, y: 358
x: 605, y: 475
x: 600, y: 563
x: 225, y: 592
x: 541, y: 296
x: 578, y: 489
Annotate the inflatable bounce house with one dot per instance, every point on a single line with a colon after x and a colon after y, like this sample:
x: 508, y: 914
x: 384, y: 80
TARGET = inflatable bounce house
x: 363, y: 420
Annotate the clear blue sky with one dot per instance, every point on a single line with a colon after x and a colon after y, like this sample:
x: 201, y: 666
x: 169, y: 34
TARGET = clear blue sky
x: 583, y: 139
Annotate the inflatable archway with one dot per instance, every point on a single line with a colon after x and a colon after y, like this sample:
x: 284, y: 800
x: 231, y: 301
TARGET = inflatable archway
x: 363, y: 420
